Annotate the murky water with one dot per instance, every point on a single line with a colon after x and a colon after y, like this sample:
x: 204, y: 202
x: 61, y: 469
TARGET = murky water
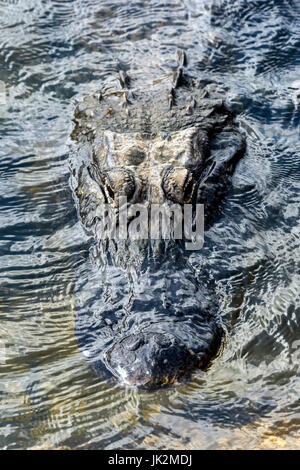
x: 52, y: 54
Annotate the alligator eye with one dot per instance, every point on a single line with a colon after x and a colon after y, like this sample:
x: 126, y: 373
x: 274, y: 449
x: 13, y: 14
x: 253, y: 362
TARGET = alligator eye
x: 178, y: 185
x: 119, y: 182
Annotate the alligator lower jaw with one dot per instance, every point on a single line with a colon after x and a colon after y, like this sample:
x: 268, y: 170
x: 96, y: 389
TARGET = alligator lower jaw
x: 153, y: 360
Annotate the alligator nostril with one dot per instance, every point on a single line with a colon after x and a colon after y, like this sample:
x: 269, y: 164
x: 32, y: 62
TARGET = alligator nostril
x: 135, y: 343
x: 155, y: 359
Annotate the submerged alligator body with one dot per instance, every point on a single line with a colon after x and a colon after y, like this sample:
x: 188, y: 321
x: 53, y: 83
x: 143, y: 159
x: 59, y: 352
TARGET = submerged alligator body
x: 169, y: 140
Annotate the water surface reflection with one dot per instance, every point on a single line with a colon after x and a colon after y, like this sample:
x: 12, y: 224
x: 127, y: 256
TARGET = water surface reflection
x: 52, y: 54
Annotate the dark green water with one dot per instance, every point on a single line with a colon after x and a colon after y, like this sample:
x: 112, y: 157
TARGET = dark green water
x: 52, y: 54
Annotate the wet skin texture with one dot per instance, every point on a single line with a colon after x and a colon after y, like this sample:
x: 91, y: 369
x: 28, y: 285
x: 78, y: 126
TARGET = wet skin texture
x: 170, y: 140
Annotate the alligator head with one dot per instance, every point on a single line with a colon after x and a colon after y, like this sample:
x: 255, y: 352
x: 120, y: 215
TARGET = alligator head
x: 168, y: 142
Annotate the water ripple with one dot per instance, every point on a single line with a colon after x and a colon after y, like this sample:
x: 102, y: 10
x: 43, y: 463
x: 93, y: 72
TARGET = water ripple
x: 52, y: 53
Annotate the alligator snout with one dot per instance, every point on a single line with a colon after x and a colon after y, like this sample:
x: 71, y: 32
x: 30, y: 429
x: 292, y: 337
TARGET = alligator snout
x: 149, y: 360
x: 170, y: 331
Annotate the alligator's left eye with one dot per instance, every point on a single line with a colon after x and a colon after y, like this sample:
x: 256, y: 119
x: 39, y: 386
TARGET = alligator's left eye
x: 178, y: 185
x: 117, y: 183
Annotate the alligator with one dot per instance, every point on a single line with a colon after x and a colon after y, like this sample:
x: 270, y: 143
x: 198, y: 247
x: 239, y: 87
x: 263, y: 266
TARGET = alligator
x: 165, y: 140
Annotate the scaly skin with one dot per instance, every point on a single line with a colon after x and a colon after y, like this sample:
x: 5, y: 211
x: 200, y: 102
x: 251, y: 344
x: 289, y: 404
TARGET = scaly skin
x: 168, y: 141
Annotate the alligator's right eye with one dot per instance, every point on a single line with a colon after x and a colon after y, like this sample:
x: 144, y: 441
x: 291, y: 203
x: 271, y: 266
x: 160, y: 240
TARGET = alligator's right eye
x: 119, y: 182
